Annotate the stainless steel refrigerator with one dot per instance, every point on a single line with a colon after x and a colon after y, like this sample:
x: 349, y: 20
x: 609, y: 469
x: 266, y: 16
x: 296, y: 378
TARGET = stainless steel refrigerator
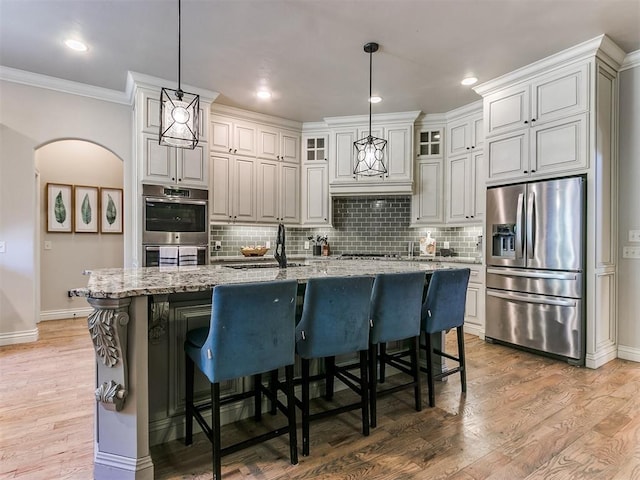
x: 535, y: 256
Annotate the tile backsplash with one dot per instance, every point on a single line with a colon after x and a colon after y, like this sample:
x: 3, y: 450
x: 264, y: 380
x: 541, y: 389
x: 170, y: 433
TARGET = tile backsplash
x: 360, y: 225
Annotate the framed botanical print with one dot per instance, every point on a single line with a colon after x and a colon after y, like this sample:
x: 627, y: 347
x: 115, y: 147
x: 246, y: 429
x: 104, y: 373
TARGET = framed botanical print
x: 85, y: 209
x: 59, y: 208
x: 111, y: 210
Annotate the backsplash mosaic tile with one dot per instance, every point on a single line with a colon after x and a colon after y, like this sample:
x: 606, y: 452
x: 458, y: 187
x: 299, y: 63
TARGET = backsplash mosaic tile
x: 360, y: 225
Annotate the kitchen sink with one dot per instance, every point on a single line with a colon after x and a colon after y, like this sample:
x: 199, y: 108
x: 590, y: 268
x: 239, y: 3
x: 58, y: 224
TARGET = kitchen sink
x: 248, y: 266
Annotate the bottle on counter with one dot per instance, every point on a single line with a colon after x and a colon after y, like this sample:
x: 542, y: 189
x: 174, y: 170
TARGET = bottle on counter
x: 428, y: 246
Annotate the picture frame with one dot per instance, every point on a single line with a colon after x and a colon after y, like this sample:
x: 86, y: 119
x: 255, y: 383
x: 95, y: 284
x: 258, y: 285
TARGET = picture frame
x: 59, y: 207
x: 111, y: 210
x: 86, y: 210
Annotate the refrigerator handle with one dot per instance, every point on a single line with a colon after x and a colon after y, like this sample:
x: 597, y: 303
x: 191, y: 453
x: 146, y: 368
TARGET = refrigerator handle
x: 531, y: 205
x: 531, y: 299
x: 519, y: 226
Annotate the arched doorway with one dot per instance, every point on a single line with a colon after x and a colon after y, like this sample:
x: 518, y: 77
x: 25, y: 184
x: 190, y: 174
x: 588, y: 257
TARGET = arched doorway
x: 81, y: 168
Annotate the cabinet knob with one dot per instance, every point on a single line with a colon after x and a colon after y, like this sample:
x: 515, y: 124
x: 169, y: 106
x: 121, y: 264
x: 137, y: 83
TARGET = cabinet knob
x: 325, y: 219
x: 473, y: 146
x: 235, y: 150
x: 525, y: 171
x: 230, y: 150
x: 533, y: 171
x: 533, y: 120
x: 526, y: 121
x: 467, y: 148
x: 466, y: 216
x: 472, y: 216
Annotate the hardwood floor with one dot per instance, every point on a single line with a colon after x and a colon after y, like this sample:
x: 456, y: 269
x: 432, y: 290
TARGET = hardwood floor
x: 524, y: 417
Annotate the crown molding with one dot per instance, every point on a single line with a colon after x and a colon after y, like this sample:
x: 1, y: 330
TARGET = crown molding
x: 60, y: 85
x: 396, y: 117
x: 465, y: 110
x: 601, y: 46
x: 220, y: 109
x: 137, y: 80
x: 631, y: 60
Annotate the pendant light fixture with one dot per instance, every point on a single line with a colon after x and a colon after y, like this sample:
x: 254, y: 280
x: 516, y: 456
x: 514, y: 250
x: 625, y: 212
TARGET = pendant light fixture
x: 370, y: 149
x: 179, y: 121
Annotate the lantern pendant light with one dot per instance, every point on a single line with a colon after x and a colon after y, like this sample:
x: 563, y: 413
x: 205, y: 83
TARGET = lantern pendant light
x: 179, y: 111
x: 370, y: 149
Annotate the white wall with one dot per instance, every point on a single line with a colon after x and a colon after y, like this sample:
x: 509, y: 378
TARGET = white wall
x: 629, y: 214
x: 17, y: 230
x: 74, y: 162
x: 32, y: 117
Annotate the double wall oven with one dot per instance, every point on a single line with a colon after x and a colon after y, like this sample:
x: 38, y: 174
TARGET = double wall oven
x: 174, y: 217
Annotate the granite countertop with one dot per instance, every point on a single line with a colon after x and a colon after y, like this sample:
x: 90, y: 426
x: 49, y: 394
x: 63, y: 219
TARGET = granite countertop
x: 133, y: 282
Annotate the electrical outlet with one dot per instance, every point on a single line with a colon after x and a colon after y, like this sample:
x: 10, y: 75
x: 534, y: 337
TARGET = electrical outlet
x: 47, y: 245
x: 268, y: 244
x: 634, y: 235
x: 306, y: 245
x: 217, y: 245
x: 446, y: 245
x: 631, y: 252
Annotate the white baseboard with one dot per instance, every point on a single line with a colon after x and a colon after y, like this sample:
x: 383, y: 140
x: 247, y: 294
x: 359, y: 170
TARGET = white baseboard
x: 602, y: 357
x: 474, y: 330
x: 629, y: 353
x: 13, y: 338
x: 64, y: 314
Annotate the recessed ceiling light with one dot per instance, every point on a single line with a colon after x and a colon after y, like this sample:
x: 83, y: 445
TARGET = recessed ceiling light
x: 263, y: 94
x: 469, y: 81
x: 375, y: 99
x: 76, y: 45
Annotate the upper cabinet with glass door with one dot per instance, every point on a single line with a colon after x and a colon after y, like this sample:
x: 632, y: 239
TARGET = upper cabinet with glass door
x: 429, y: 142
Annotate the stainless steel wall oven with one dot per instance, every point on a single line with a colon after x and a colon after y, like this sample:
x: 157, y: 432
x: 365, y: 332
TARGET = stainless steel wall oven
x: 174, y: 216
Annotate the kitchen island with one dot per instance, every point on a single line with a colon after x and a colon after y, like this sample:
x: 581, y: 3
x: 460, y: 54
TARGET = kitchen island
x: 127, y: 304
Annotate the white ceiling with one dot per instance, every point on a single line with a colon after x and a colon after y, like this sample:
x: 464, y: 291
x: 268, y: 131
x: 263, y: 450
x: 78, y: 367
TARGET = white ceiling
x: 309, y: 52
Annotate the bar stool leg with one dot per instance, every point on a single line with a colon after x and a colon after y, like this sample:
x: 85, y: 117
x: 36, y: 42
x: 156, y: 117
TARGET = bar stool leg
x: 373, y: 382
x: 432, y: 397
x: 330, y: 368
x: 364, y: 393
x: 291, y: 413
x: 273, y: 387
x: 305, y: 407
x: 383, y: 361
x: 215, y: 434
x: 188, y: 413
x: 257, y: 397
x: 463, y: 366
x: 415, y: 369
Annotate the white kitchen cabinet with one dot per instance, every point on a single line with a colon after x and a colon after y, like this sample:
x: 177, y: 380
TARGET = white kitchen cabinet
x: 233, y: 136
x: 315, y: 194
x: 398, y: 159
x: 174, y: 166
x: 233, y: 189
x: 548, y: 97
x: 429, y: 143
x: 474, y: 312
x: 278, y: 144
x: 427, y: 206
x: 315, y: 148
x: 465, y: 188
x: 465, y: 134
x: 559, y: 146
x: 278, y: 192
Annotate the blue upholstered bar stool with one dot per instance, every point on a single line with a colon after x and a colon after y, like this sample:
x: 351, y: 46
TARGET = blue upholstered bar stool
x: 251, y: 332
x: 442, y: 310
x: 335, y: 321
x: 396, y: 303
